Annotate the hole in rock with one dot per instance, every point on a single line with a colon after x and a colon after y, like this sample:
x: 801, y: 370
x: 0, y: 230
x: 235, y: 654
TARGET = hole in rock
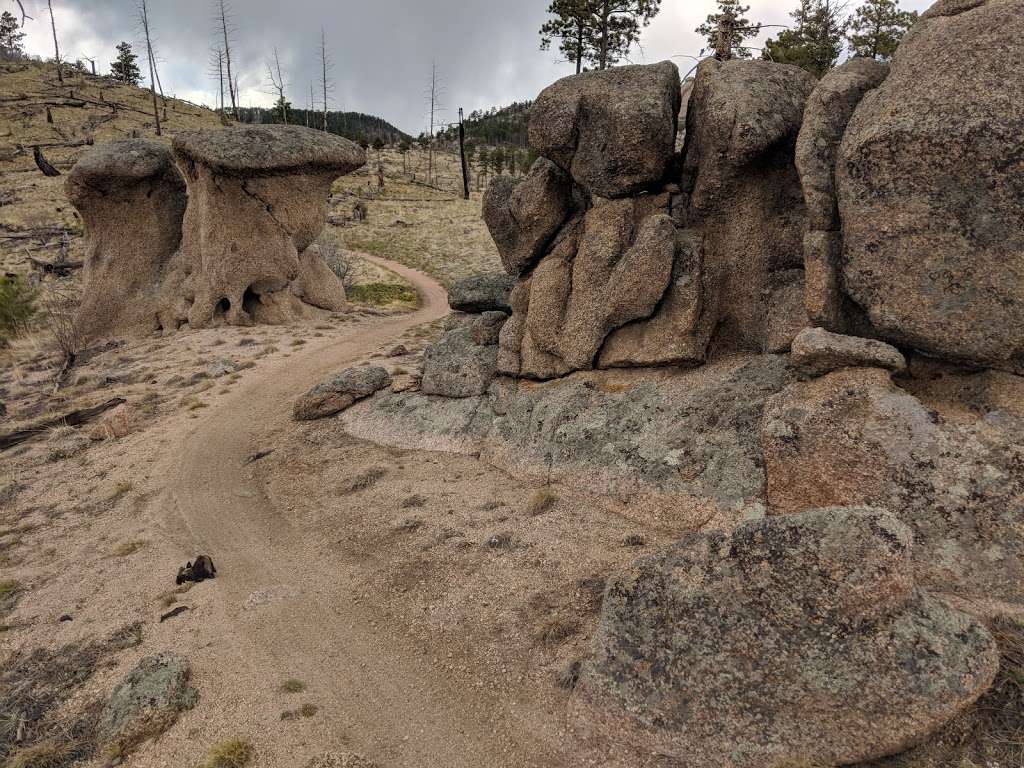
x: 250, y: 300
x: 224, y: 305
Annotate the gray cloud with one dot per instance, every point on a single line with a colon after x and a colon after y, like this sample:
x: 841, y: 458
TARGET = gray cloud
x: 486, y: 50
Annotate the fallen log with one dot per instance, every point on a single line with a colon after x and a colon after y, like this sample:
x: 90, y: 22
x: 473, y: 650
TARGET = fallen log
x: 59, y: 268
x: 73, y: 419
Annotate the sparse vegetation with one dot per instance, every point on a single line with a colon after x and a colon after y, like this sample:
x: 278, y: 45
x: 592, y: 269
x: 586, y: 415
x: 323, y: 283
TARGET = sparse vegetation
x: 128, y: 548
x: 292, y: 685
x: 542, y: 500
x: 233, y: 753
x: 383, y: 294
x: 305, y: 711
x: 17, y: 307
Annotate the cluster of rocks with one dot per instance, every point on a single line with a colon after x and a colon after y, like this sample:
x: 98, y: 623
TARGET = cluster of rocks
x: 218, y: 228
x: 827, y: 278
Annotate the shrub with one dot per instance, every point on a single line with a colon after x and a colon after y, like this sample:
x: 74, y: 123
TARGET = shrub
x: 229, y: 754
x: 17, y: 307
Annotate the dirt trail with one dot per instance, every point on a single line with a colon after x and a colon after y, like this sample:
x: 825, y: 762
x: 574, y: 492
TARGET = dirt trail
x: 378, y: 691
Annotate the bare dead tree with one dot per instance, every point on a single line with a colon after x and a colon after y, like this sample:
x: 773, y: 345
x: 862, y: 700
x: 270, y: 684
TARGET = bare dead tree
x: 312, y: 105
x: 326, y: 67
x: 225, y: 30
x: 433, y: 97
x: 144, y: 21
x: 56, y: 45
x: 277, y: 85
x: 216, y: 71
x: 24, y: 16
x: 92, y: 63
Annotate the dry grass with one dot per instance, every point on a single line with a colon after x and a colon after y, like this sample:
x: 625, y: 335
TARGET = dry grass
x: 128, y: 548
x: 292, y: 685
x: 233, y: 753
x: 36, y: 729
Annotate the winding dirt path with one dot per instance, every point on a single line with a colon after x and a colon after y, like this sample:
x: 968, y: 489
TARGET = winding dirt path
x: 373, y: 685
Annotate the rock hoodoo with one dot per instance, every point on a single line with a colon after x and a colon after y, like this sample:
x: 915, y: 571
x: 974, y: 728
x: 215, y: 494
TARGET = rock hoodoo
x: 798, y: 640
x: 238, y: 249
x: 132, y: 200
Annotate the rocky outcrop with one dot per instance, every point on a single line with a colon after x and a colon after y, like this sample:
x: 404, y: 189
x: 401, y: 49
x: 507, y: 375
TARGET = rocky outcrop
x: 257, y: 201
x: 145, y: 704
x: 949, y: 465
x: 931, y: 189
x: 340, y: 392
x: 132, y: 200
x: 465, y: 361
x: 524, y: 216
x: 488, y: 292
x: 798, y: 640
x: 818, y: 351
x: 238, y: 252
x: 743, y: 188
x: 613, y: 131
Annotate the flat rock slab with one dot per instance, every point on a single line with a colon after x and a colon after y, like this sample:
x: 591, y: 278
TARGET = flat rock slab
x: 488, y: 292
x: 818, y: 351
x: 252, y: 149
x: 798, y: 640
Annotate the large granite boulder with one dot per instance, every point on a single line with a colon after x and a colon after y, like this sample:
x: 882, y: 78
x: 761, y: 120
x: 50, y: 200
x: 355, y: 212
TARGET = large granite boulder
x: 614, y: 131
x: 950, y: 465
x: 340, y: 392
x: 132, y: 200
x: 931, y: 188
x: 465, y: 361
x: 523, y: 216
x: 743, y: 188
x: 794, y: 641
x: 257, y: 201
x: 487, y: 292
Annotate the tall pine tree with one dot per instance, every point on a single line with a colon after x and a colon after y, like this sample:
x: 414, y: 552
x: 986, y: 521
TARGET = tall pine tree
x: 877, y: 28
x: 10, y: 37
x: 728, y: 29
x: 597, y: 32
x: 124, y: 69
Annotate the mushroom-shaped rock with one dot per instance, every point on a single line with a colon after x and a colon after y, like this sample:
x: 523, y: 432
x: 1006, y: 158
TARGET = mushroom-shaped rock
x: 931, y: 188
x: 132, y: 200
x: 340, y: 392
x: 745, y: 194
x: 524, y: 216
x: 614, y: 131
x: 257, y: 200
x: 796, y: 640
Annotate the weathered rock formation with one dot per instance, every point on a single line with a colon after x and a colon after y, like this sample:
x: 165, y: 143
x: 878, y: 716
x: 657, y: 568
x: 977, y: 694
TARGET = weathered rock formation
x: 818, y: 351
x: 465, y: 361
x: 931, y: 189
x: 238, y: 252
x: 798, y: 640
x: 132, y: 200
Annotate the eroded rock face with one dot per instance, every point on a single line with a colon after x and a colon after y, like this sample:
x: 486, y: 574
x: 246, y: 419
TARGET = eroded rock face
x: 796, y: 640
x: 524, y: 216
x: 613, y: 131
x: 340, y: 392
x: 257, y: 200
x: 132, y: 200
x: 952, y: 468
x: 931, y: 188
x: 744, y: 192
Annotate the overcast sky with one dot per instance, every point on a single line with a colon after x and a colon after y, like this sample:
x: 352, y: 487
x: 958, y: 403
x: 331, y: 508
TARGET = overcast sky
x: 486, y: 50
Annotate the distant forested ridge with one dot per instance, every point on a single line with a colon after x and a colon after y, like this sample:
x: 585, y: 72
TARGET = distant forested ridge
x: 351, y: 125
x: 498, y: 126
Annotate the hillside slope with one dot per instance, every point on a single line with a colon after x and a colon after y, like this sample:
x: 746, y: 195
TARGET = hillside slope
x: 83, y: 109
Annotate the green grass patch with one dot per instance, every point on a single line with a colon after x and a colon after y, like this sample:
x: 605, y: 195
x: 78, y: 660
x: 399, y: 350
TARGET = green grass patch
x: 382, y: 294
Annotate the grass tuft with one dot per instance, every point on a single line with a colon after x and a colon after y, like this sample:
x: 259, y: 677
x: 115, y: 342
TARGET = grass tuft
x: 542, y: 500
x: 233, y: 753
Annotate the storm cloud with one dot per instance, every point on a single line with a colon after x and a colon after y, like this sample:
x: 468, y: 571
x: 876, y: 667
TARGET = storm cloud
x: 486, y: 51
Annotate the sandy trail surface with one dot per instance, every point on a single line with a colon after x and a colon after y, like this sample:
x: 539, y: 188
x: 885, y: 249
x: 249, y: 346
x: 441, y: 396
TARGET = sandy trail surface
x: 289, y: 611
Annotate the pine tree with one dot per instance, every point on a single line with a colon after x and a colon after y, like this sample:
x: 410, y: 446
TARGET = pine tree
x: 124, y: 69
x: 498, y: 160
x: 816, y: 39
x: 571, y: 27
x: 599, y: 32
x: 10, y: 37
x: 726, y: 30
x: 877, y: 28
